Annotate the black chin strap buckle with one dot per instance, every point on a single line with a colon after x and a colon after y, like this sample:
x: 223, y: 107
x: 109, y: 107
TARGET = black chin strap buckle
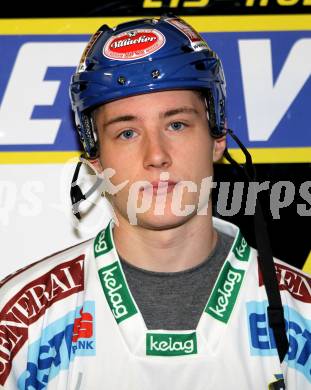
x: 76, y: 194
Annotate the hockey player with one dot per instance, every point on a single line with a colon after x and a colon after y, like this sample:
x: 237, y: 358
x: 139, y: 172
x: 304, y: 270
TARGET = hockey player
x: 165, y: 296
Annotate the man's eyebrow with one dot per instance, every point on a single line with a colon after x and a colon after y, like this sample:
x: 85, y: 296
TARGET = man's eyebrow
x: 121, y: 118
x: 179, y: 110
x: 166, y: 114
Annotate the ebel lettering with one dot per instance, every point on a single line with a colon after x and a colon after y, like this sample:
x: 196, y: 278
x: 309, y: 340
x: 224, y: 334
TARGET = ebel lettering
x: 262, y: 342
x: 116, y: 292
x: 169, y: 344
x: 103, y: 242
x: 225, y: 292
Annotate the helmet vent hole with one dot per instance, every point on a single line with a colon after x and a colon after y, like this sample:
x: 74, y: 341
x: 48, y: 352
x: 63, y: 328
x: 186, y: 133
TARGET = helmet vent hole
x: 200, y: 66
x: 186, y: 49
x: 82, y: 86
x: 90, y: 66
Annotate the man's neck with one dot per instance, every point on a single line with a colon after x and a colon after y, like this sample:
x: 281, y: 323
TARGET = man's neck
x: 169, y: 250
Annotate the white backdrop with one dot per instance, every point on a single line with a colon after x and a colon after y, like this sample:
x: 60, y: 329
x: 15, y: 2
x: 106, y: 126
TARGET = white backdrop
x: 34, y: 198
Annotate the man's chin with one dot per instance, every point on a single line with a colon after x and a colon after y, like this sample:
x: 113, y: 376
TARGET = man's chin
x: 161, y: 222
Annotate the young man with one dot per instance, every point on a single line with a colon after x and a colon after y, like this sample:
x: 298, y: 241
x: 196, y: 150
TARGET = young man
x: 165, y: 297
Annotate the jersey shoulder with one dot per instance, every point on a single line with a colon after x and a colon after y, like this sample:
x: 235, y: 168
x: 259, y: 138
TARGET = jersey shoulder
x: 54, y: 272
x: 294, y: 283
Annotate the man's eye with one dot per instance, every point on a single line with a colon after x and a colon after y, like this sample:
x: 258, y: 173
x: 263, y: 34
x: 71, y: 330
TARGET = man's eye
x: 177, y: 125
x: 128, y: 134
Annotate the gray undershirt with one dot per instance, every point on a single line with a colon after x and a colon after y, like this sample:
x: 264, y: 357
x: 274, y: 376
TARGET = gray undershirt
x: 176, y: 300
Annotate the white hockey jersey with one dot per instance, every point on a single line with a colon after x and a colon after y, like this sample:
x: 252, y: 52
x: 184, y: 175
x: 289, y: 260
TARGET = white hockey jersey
x: 71, y: 322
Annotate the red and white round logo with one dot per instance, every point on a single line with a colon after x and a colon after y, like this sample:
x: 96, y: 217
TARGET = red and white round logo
x: 133, y: 44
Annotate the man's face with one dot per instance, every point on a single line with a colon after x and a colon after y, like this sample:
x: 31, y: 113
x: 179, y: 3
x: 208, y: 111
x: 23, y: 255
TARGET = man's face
x: 146, y: 135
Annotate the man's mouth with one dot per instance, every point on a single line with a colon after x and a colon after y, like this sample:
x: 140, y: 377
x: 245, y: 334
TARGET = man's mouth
x: 159, y: 187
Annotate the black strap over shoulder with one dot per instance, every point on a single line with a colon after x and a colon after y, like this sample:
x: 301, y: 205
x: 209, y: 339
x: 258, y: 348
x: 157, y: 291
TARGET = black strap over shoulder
x: 265, y: 259
x: 266, y: 264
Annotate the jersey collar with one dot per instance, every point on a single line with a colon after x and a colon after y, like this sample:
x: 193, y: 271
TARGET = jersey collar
x: 215, y: 317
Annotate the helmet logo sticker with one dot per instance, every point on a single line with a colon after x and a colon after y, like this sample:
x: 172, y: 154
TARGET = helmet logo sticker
x: 82, y: 65
x: 133, y: 44
x: 196, y: 41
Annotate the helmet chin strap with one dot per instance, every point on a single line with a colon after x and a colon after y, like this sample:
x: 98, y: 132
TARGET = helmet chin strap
x: 76, y: 194
x: 248, y: 170
x: 265, y: 258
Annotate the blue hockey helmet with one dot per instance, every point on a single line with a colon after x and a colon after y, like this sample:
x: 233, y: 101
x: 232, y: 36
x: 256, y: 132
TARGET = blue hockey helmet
x: 144, y: 56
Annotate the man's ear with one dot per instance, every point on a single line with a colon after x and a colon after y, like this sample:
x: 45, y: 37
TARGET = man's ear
x: 219, y: 147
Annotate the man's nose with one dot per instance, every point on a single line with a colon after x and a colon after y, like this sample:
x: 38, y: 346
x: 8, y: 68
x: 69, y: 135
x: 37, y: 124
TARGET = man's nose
x: 157, y: 151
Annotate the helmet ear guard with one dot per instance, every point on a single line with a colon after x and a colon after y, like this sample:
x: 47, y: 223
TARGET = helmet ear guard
x: 88, y: 135
x: 217, y: 130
